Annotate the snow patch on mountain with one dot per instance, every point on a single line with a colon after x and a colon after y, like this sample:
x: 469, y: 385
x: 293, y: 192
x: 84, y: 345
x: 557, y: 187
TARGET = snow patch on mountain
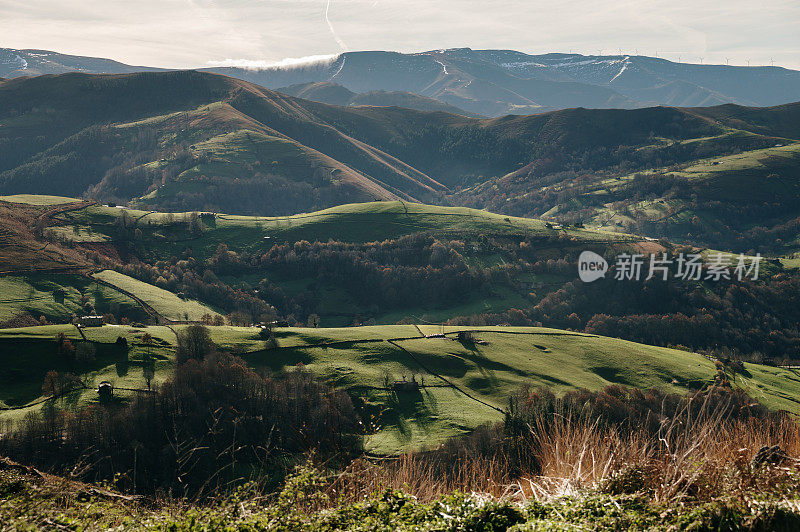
x: 523, y: 64
x: 586, y: 62
x: 341, y: 66
x: 624, y: 67
x: 14, y: 61
x: 444, y: 67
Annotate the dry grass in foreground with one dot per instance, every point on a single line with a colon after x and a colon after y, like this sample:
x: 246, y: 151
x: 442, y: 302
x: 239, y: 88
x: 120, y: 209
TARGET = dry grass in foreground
x: 620, y: 459
x: 714, y: 445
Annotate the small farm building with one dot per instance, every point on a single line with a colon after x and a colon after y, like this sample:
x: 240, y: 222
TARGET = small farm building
x: 92, y: 321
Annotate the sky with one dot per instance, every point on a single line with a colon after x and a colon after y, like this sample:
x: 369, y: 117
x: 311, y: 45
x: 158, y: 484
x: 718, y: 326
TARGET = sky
x: 199, y: 33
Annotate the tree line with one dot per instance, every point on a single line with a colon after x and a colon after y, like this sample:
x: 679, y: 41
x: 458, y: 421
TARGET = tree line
x: 215, y: 422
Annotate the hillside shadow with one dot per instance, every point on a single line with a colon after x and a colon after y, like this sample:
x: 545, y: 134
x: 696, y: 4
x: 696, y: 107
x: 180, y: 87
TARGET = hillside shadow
x: 489, y: 380
x: 454, y: 367
x: 489, y: 369
x: 278, y: 359
x: 26, y: 361
x: 611, y: 374
x: 406, y: 406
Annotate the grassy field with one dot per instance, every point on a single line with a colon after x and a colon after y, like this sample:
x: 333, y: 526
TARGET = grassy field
x: 740, y: 180
x: 161, y: 236
x: 781, y: 155
x: 41, y: 295
x: 361, y: 222
x: 37, y: 199
x: 77, y: 233
x: 462, y: 385
x: 60, y: 297
x: 163, y: 301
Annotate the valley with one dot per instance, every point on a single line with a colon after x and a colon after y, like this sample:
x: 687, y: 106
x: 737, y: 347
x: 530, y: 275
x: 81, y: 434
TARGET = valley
x: 225, y: 145
x: 425, y: 287
x: 382, y: 290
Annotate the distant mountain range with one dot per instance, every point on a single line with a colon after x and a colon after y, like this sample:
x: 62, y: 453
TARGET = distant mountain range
x: 15, y: 63
x: 483, y: 82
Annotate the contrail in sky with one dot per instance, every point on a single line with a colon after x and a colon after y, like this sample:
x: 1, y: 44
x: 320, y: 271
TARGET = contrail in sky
x: 341, y: 43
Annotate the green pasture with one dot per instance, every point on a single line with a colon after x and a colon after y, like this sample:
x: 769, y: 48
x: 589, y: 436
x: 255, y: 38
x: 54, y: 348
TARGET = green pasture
x: 360, y: 222
x: 462, y: 384
x: 163, y: 301
x: 59, y: 297
x: 37, y: 199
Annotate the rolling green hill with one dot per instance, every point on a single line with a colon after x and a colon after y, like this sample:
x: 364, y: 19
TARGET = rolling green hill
x: 162, y: 236
x: 60, y: 297
x: 197, y: 141
x: 360, y: 222
x: 165, y: 303
x: 43, y: 275
x: 381, y: 263
x: 215, y: 134
x: 747, y: 201
x: 399, y: 262
x: 462, y: 384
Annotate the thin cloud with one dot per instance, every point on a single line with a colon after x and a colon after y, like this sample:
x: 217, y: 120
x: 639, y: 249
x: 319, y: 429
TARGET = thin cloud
x: 283, y: 63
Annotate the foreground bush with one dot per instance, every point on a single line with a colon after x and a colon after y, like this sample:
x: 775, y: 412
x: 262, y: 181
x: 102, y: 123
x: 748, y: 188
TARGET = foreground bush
x: 666, y: 447
x: 609, y: 460
x: 29, y: 500
x: 214, y: 422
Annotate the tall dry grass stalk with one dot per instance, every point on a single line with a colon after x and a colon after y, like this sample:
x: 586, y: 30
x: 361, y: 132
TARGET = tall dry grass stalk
x: 423, y: 475
x: 698, y: 453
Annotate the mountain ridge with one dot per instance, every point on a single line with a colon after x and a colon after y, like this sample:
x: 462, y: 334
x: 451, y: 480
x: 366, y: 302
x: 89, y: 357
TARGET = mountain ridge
x: 490, y: 82
x: 335, y: 94
x: 187, y: 140
x: 94, y: 119
x: 33, y: 62
x: 497, y: 82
